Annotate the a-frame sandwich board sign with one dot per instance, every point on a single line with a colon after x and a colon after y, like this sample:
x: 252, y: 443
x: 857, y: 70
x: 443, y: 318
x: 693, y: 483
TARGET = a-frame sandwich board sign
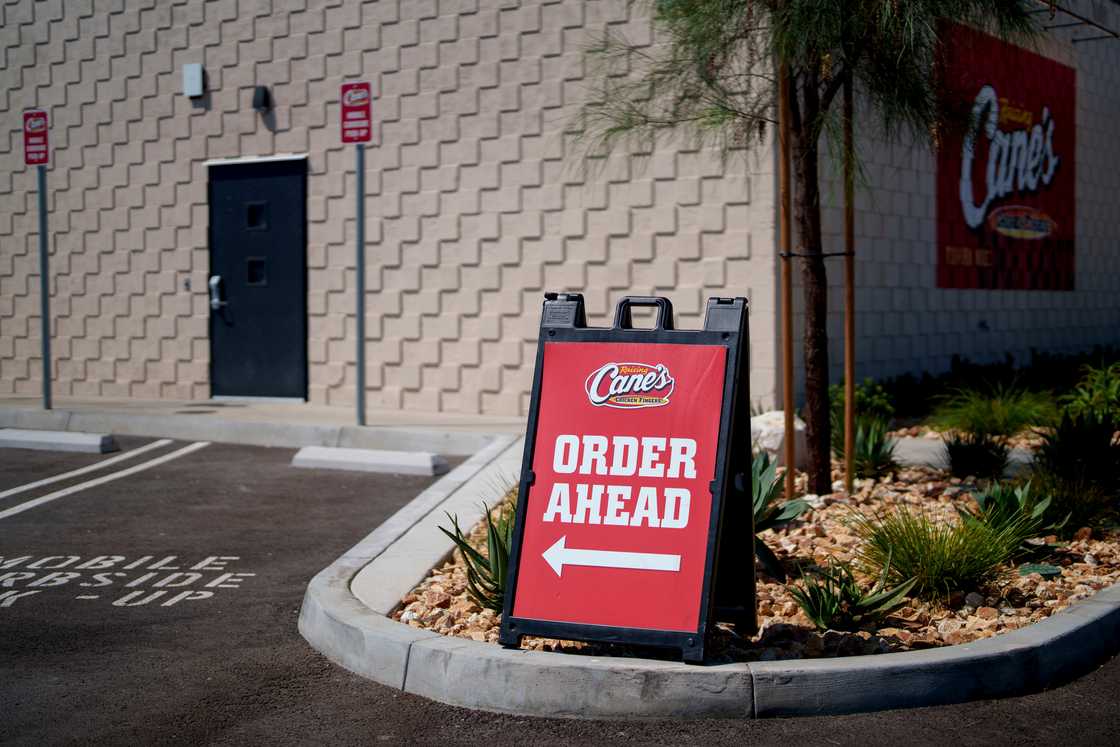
x: 634, y: 521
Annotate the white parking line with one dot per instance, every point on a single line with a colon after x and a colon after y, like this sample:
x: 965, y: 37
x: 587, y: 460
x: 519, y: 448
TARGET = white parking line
x: 84, y: 470
x: 103, y: 479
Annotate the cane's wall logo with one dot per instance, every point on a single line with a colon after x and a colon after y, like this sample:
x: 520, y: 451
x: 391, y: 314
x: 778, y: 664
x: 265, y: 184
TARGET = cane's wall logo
x: 36, y: 123
x: 630, y: 386
x: 1006, y: 207
x: 1020, y: 160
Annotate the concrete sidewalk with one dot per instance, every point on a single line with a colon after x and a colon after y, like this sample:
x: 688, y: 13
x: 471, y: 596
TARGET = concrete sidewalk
x: 262, y: 423
x: 931, y: 452
x: 270, y: 423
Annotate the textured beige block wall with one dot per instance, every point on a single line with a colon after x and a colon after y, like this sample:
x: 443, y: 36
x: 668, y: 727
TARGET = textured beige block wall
x: 475, y: 206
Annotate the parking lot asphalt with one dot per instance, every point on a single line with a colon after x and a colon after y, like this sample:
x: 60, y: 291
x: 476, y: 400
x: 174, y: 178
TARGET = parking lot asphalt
x: 162, y: 607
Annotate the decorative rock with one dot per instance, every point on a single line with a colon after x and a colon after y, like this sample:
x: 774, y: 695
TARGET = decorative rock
x: 768, y: 434
x: 438, y: 599
x: 823, y: 534
x: 814, y: 501
x: 945, y: 627
x: 1083, y: 534
x: 957, y: 637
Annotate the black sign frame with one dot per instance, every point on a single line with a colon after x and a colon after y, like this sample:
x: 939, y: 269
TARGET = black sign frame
x: 728, y: 592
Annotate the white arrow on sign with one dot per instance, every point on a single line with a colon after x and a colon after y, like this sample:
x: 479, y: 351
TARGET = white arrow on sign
x: 558, y: 556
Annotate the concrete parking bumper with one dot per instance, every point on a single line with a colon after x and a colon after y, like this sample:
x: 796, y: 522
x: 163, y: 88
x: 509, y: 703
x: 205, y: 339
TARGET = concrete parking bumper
x: 345, y: 612
x: 90, y: 443
x: 370, y: 460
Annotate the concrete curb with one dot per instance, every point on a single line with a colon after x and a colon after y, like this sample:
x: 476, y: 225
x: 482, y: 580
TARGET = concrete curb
x: 346, y: 629
x: 345, y: 608
x: 48, y: 440
x: 1043, y: 655
x: 254, y: 433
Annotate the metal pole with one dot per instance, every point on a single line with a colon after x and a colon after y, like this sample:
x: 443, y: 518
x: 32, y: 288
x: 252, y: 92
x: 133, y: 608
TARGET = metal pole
x: 44, y: 287
x: 849, y: 291
x: 787, y: 278
x: 361, y: 284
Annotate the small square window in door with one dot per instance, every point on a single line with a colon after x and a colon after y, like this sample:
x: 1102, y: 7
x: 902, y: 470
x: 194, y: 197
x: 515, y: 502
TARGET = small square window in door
x: 256, y: 216
x: 255, y: 271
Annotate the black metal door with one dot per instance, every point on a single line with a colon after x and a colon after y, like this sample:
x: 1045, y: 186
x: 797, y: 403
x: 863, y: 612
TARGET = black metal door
x: 258, y: 279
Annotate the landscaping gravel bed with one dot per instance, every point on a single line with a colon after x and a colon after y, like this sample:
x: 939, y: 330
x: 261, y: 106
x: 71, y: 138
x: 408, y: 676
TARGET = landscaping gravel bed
x: 1088, y: 562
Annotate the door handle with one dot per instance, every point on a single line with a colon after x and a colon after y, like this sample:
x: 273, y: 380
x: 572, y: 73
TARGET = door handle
x: 216, y: 301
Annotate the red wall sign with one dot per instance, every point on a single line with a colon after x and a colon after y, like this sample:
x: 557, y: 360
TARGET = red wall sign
x: 36, y: 146
x: 357, y: 117
x: 620, y: 511
x: 627, y: 481
x: 1006, y: 187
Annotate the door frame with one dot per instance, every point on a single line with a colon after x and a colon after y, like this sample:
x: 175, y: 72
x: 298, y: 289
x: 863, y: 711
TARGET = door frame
x: 247, y: 160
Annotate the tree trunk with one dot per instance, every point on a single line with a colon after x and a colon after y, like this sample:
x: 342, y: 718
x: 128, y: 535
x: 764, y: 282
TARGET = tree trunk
x: 807, y: 211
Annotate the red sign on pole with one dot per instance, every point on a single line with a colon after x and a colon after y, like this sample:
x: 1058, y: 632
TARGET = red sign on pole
x: 625, y: 471
x: 36, y: 148
x: 357, y: 117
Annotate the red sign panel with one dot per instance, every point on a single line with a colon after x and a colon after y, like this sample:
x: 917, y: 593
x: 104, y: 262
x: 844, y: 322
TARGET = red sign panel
x: 1006, y: 186
x: 357, y: 117
x: 617, y: 521
x: 36, y: 148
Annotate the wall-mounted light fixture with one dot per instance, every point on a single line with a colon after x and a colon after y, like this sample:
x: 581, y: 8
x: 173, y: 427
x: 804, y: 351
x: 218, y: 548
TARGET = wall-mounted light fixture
x: 262, y: 100
x: 194, y: 80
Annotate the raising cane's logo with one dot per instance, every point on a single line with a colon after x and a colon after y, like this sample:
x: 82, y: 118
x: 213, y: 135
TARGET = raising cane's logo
x: 1020, y: 160
x: 355, y: 97
x: 629, y: 386
x: 36, y: 124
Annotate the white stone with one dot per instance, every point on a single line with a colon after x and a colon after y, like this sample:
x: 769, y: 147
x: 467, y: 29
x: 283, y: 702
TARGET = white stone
x: 768, y: 434
x: 814, y: 501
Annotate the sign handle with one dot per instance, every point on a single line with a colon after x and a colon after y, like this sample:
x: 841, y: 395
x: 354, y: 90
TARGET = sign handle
x: 360, y: 152
x: 44, y: 287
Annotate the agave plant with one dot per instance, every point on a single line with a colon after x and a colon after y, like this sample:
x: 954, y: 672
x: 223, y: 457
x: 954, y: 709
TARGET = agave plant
x: 832, y: 597
x: 1003, y: 505
x: 874, y: 449
x: 768, y: 512
x: 486, y: 574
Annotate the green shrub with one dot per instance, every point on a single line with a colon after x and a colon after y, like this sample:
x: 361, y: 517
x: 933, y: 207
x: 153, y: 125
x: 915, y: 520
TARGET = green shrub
x: 912, y: 395
x: 872, y: 401
x: 874, y: 453
x: 1097, y: 395
x: 832, y: 597
x: 766, y: 488
x: 1078, y: 467
x: 1074, y: 501
x: 1001, y: 412
x: 975, y: 455
x: 941, y: 557
x: 486, y: 574
x: 1003, y: 506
